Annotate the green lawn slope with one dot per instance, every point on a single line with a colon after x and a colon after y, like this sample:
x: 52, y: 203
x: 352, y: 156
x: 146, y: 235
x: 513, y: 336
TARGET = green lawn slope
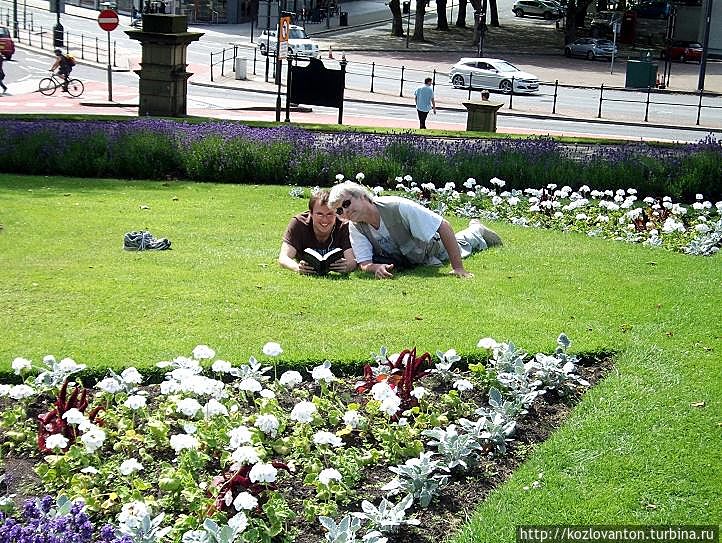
x: 642, y: 447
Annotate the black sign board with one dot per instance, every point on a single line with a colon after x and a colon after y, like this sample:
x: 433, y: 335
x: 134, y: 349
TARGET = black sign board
x: 317, y: 85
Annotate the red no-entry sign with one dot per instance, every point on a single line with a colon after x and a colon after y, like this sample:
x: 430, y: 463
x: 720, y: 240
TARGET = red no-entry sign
x: 108, y: 20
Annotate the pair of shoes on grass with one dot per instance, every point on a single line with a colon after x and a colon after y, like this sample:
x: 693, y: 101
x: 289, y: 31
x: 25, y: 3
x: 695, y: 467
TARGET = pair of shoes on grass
x: 142, y: 240
x: 491, y: 238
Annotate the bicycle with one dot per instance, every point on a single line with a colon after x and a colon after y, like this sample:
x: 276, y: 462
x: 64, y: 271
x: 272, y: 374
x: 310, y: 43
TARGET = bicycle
x: 48, y: 86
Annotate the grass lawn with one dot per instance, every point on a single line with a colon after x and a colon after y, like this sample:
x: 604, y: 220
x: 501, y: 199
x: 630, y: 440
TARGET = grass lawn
x: 636, y: 450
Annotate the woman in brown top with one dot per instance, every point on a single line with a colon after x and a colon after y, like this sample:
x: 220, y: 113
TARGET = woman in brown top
x: 318, y: 228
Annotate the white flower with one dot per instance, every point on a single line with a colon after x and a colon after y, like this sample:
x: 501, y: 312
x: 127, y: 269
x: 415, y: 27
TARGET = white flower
x: 340, y: 177
x: 214, y: 408
x: 179, y: 442
x: 93, y: 439
x: 469, y: 183
x: 110, y: 385
x: 221, y: 366
x: 323, y: 373
x: 391, y: 405
x: 267, y: 393
x: 462, y: 385
x: 4, y: 390
x: 487, y: 343
x: 698, y: 197
x: 328, y: 475
x: 303, y: 411
x: 360, y: 177
x: 352, y: 418
x: 323, y: 437
x: 702, y: 228
x: 90, y: 470
x: 190, y: 428
x: 250, y: 385
x: 500, y: 182
x: 188, y: 406
x: 245, y: 500
x: 290, y: 379
x: 130, y: 466
x: 378, y: 191
x: 268, y: 424
x: 20, y: 365
x: 239, y: 436
x: 262, y: 473
x: 418, y: 392
x: 203, y: 352
x: 245, y: 455
x: 382, y: 390
x: 238, y: 522
x: 132, y: 376
x: 272, y: 349
x: 135, y: 402
x: 56, y: 441
x: 74, y: 416
x: 133, y: 514
x: 20, y: 392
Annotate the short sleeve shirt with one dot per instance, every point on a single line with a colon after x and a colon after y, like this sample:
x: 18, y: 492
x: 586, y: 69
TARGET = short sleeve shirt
x: 424, y: 95
x: 423, y: 225
x: 299, y: 235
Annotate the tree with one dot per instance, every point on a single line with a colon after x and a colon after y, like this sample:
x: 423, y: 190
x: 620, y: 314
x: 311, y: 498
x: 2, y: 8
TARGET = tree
x: 442, y: 22
x: 419, y: 21
x: 397, y: 25
x: 494, y: 13
x: 461, y: 17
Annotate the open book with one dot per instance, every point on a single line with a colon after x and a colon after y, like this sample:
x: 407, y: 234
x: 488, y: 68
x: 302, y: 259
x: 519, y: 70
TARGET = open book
x: 322, y: 263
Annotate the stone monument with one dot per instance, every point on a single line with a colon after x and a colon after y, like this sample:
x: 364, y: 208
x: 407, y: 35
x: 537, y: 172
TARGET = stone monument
x: 163, y: 85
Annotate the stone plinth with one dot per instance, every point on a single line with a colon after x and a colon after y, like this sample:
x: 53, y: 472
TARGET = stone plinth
x: 163, y: 85
x: 481, y: 115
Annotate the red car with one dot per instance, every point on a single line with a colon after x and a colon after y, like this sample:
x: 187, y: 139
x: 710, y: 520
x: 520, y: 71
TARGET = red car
x: 7, y: 46
x: 683, y: 51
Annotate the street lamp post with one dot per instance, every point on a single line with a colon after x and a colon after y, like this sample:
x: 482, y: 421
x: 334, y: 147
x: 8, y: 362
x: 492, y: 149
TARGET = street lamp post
x: 408, y: 24
x: 58, y: 29
x: 16, y: 32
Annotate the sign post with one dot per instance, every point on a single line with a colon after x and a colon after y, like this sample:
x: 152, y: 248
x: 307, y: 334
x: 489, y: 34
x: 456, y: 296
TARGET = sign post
x: 108, y: 21
x: 284, y: 27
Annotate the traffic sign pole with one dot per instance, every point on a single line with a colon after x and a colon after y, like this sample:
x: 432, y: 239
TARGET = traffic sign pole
x: 108, y: 21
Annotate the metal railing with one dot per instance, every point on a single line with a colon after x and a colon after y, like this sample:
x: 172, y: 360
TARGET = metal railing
x: 83, y: 47
x: 228, y: 54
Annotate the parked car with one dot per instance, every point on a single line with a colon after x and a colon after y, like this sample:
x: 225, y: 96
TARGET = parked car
x: 7, y: 45
x: 683, y: 51
x: 539, y: 8
x: 590, y: 48
x: 298, y: 42
x: 650, y: 9
x: 491, y: 73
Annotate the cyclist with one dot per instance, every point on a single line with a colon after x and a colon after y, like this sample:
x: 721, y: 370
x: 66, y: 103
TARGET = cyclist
x: 64, y: 67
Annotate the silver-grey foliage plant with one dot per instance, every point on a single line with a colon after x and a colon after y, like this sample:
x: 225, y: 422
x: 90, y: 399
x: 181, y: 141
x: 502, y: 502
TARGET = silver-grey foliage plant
x: 421, y: 478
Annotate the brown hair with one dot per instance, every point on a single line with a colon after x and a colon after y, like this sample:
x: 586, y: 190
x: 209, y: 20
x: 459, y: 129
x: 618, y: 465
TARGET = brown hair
x: 318, y: 197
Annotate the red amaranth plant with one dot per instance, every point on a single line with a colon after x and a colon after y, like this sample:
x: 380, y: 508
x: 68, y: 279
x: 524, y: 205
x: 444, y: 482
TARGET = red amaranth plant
x: 53, y: 422
x: 232, y: 483
x: 403, y: 372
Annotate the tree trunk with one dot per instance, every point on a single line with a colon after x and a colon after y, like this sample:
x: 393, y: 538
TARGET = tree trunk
x: 397, y: 25
x: 461, y: 17
x: 570, y: 29
x: 442, y: 23
x: 419, y: 21
x: 476, y: 4
x: 494, y: 13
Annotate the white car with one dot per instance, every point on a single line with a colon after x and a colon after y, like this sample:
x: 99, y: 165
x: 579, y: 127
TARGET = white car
x: 299, y: 43
x: 491, y: 73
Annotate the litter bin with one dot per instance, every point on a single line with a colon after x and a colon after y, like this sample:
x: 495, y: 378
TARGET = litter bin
x: 241, y: 68
x: 641, y: 74
x: 343, y: 18
x: 406, y: 7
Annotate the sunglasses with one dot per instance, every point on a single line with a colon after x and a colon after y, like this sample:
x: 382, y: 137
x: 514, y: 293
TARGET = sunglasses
x: 344, y: 205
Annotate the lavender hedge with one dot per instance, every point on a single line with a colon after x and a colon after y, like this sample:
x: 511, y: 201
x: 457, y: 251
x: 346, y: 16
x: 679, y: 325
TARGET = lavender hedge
x: 234, y: 153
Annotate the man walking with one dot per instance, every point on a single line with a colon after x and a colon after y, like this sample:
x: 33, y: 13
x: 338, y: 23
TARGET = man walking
x: 390, y: 233
x: 425, y: 101
x: 2, y: 76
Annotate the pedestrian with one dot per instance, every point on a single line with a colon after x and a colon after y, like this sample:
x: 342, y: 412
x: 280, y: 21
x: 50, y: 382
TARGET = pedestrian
x: 485, y: 95
x: 2, y: 75
x: 425, y: 101
x: 389, y: 233
x: 319, y: 229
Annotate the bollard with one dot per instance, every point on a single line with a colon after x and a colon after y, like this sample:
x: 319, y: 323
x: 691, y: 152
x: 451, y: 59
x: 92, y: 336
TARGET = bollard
x: 699, y: 105
x: 646, y: 109
x: 511, y: 95
x: 601, y: 92
x: 373, y: 68
x: 402, y: 81
x: 554, y: 106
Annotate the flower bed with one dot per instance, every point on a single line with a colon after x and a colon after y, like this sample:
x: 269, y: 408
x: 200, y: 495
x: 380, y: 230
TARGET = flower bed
x: 309, y: 455
x: 235, y: 153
